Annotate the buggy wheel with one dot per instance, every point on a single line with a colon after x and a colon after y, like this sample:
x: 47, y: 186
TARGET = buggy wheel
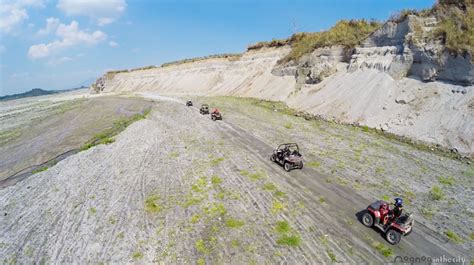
x: 393, y: 236
x: 272, y: 158
x: 367, y: 220
x: 287, y: 167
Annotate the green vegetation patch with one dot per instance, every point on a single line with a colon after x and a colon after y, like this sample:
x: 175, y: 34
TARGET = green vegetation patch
x: 201, y: 246
x: 269, y: 186
x: 331, y: 255
x: 436, y: 193
x: 287, y: 235
x: 277, y: 207
x: 456, y: 26
x: 279, y: 193
x: 228, y: 56
x: 152, y: 204
x: 92, y: 210
x: 346, y: 33
x: 200, y: 185
x: 216, y: 161
x: 384, y: 250
x: 215, y: 210
x: 234, y: 223
x: 216, y: 180
x: 283, y: 227
x: 253, y: 176
x: 469, y: 172
x: 447, y: 180
x: 105, y: 137
x: 195, y: 218
x: 137, y: 255
x: 313, y: 164
x: 453, y: 237
x: 41, y: 169
x: 289, y: 240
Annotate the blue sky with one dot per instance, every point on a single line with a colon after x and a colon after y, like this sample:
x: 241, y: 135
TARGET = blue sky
x: 60, y: 44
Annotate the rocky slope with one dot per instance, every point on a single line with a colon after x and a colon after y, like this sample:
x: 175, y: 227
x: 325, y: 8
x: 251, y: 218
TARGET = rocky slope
x: 398, y: 80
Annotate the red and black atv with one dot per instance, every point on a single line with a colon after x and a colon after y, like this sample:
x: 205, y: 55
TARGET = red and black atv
x: 379, y: 215
x: 288, y: 155
x: 216, y: 115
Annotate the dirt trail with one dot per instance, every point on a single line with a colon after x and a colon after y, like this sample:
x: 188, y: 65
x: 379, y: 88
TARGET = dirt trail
x: 342, y: 205
x: 180, y: 188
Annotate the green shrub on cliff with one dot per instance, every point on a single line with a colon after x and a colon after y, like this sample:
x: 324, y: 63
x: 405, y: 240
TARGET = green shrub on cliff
x: 456, y: 25
x: 347, y: 33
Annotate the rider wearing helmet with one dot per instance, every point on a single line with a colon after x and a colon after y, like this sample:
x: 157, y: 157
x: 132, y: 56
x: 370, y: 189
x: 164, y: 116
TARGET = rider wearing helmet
x: 397, y: 210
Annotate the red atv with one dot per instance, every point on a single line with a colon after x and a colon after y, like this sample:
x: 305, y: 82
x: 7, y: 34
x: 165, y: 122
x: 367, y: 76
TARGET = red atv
x: 378, y: 214
x: 216, y: 115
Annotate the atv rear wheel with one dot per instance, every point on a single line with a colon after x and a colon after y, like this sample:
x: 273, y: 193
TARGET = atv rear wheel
x: 367, y: 220
x: 393, y: 236
x: 287, y: 167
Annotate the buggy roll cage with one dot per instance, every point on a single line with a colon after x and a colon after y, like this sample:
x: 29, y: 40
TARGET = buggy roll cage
x: 289, y: 146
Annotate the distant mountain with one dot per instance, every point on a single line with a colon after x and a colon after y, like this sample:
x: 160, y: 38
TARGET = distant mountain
x: 35, y: 92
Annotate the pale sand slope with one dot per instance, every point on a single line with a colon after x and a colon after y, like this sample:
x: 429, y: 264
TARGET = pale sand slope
x: 432, y: 112
x: 165, y: 191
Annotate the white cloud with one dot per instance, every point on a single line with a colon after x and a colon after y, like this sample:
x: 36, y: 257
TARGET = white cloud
x: 104, y: 11
x: 13, y: 13
x: 51, y: 25
x: 70, y: 35
x: 105, y: 21
x: 113, y: 44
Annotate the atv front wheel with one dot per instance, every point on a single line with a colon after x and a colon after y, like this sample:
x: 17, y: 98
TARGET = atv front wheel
x: 213, y: 118
x: 393, y: 236
x: 272, y: 158
x: 367, y: 220
x: 410, y: 230
x: 287, y: 167
x: 300, y: 166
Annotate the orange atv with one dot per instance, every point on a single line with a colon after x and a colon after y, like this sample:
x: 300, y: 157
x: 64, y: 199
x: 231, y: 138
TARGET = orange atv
x: 216, y: 115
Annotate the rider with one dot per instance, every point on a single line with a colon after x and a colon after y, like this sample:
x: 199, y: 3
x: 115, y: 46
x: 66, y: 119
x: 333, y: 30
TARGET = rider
x: 396, y: 211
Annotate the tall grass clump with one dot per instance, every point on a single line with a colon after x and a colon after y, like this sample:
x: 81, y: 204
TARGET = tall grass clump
x: 347, y: 33
x: 456, y: 25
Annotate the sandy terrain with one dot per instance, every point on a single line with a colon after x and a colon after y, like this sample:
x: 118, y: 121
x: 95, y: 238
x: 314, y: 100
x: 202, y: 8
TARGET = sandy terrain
x: 434, y: 112
x: 35, y: 130
x: 180, y: 188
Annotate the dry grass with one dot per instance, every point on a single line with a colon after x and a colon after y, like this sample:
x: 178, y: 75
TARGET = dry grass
x: 347, y: 33
x: 456, y: 26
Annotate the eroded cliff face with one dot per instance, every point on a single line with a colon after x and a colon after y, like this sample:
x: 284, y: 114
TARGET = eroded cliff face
x: 250, y: 76
x: 400, y: 49
x: 398, y: 80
